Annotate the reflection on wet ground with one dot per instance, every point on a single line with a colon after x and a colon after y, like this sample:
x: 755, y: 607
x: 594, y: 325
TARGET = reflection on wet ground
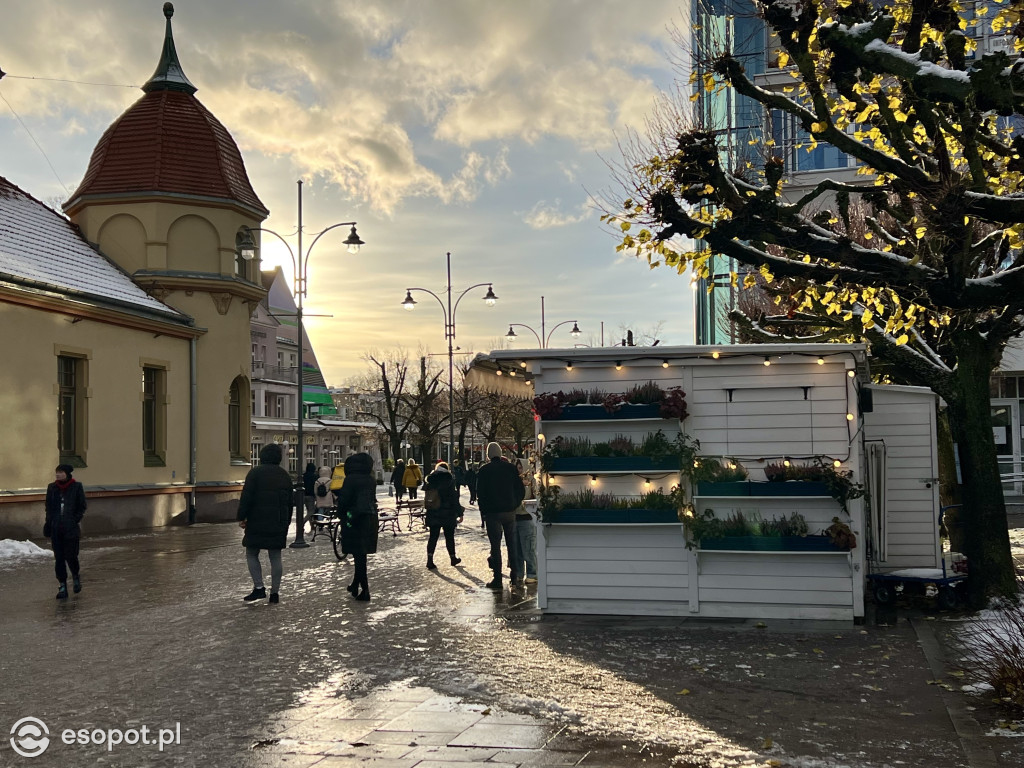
x: 433, y: 662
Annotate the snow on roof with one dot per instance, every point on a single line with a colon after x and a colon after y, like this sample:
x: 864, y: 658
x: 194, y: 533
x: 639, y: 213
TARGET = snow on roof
x: 40, y: 247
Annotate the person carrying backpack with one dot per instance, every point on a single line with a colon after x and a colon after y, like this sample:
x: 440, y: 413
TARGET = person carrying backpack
x: 322, y: 496
x: 412, y: 477
x: 443, y: 512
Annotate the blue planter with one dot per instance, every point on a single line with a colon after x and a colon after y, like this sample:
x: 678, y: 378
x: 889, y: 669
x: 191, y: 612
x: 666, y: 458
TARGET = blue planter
x: 772, y: 543
x: 589, y: 412
x: 748, y: 488
x: 612, y: 516
x: 613, y: 464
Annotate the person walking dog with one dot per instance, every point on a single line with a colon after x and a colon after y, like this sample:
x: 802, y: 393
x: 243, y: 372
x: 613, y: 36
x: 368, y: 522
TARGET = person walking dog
x: 357, y: 508
x: 65, y: 506
x: 499, y: 492
x: 443, y: 512
x: 264, y: 513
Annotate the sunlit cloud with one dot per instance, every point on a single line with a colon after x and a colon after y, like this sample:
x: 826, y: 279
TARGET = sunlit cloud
x: 546, y: 215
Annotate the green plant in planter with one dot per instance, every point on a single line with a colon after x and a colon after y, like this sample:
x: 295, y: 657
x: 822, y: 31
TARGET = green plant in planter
x: 839, y: 483
x: 622, y: 446
x: 841, y: 535
x: 596, y: 396
x: 644, y: 394
x: 673, y: 404
x: 707, y: 470
x: 576, y: 397
x: 613, y: 402
x: 604, y: 450
x: 548, y: 500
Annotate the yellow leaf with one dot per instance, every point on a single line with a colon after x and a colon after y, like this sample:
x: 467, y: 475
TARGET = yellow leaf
x: 684, y: 692
x: 867, y: 317
x: 818, y: 127
x: 902, y: 340
x: 709, y: 81
x: 783, y: 59
x: 919, y: 232
x: 817, y: 650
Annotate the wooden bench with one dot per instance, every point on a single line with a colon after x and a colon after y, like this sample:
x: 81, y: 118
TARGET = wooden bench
x: 415, y: 509
x: 388, y: 518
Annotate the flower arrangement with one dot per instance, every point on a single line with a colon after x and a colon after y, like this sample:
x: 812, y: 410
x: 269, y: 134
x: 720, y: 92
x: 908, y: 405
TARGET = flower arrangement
x: 549, y: 406
x: 673, y: 404
x: 707, y: 470
x: 553, y: 501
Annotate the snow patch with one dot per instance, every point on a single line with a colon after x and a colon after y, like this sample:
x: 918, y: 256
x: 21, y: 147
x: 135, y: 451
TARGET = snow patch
x: 13, y: 552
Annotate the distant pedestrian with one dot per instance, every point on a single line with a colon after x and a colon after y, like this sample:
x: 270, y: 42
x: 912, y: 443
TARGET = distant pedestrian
x: 396, y: 479
x: 308, y: 494
x: 264, y: 512
x: 459, y: 476
x: 412, y: 477
x: 357, y: 508
x: 323, y: 498
x: 337, y: 479
x: 446, y: 516
x: 470, y: 482
x: 65, y: 506
x: 500, y: 491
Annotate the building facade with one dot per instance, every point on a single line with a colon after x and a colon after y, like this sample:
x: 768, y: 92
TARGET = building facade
x: 128, y: 321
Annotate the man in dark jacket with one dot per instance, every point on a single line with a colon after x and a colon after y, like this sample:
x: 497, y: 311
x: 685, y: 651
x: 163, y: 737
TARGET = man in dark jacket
x: 500, y: 491
x: 308, y: 492
x: 65, y: 505
x: 357, y: 508
x: 446, y: 516
x: 264, y: 512
x: 396, y: 479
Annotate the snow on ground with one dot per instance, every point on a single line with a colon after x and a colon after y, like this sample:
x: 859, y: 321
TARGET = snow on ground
x: 1017, y: 540
x: 13, y: 552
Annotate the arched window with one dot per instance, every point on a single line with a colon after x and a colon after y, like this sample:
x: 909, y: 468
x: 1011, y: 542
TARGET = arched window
x: 237, y: 394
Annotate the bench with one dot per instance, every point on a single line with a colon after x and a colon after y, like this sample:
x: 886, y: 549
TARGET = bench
x: 388, y: 518
x: 414, y: 507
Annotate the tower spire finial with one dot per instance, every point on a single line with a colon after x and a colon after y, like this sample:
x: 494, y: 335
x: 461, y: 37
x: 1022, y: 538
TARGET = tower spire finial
x: 169, y: 75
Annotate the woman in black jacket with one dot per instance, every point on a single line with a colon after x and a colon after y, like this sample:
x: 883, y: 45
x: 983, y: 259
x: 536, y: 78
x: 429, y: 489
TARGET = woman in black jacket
x: 65, y: 506
x: 357, y: 508
x: 446, y: 516
x: 264, y: 511
x: 396, y: 479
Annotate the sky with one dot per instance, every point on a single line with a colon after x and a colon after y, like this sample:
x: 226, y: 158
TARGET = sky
x: 487, y: 129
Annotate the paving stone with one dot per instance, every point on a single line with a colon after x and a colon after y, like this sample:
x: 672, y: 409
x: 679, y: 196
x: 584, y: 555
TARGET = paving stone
x: 453, y: 754
x: 353, y: 762
x: 413, y: 739
x: 503, y: 736
x: 538, y: 757
x: 431, y: 721
x: 333, y: 730
x: 489, y: 764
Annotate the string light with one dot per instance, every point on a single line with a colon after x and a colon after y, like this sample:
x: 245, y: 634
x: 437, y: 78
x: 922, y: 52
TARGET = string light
x: 767, y: 361
x: 593, y: 479
x: 540, y: 436
x: 785, y: 462
x: 821, y: 361
x: 837, y: 463
x: 716, y: 354
x: 647, y: 482
x: 851, y: 373
x: 498, y: 372
x: 512, y: 373
x: 849, y: 417
x: 664, y: 363
x: 522, y: 364
x: 618, y: 365
x: 568, y: 365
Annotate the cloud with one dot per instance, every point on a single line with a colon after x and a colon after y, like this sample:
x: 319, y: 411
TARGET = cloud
x: 361, y: 93
x: 546, y: 215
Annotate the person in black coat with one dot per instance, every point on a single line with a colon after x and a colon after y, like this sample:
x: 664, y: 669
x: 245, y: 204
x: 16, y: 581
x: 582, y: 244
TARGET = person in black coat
x: 500, y: 492
x: 446, y: 517
x: 308, y: 492
x: 357, y: 508
x: 396, y: 479
x: 470, y: 482
x: 65, y: 506
x: 264, y: 512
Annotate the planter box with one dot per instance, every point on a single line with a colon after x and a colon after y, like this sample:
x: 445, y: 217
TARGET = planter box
x: 772, y: 543
x: 613, y: 464
x: 612, y: 516
x: 749, y: 488
x: 590, y: 412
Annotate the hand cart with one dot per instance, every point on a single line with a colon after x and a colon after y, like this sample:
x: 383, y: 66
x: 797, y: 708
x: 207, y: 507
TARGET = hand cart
x: 886, y: 586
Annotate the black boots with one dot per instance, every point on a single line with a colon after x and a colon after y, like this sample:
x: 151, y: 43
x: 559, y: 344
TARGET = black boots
x: 430, y: 563
x: 256, y: 594
x: 62, y: 591
x: 274, y: 598
x: 456, y: 560
x: 494, y: 583
x: 77, y: 584
x: 364, y: 596
x: 353, y: 588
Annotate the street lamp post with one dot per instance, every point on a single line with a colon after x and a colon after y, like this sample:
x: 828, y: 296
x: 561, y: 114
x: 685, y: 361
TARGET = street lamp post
x: 300, y: 262
x: 449, y: 333
x: 542, y: 340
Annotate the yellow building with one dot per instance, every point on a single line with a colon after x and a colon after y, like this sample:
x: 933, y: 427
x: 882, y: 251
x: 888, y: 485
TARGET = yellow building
x: 127, y: 330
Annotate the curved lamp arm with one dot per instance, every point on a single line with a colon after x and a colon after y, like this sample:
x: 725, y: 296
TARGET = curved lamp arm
x: 444, y: 309
x: 291, y: 253
x: 575, y: 331
x: 461, y: 295
x: 523, y: 325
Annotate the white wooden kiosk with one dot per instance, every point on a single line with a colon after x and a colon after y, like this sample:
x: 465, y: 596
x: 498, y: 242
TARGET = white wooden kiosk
x: 757, y: 404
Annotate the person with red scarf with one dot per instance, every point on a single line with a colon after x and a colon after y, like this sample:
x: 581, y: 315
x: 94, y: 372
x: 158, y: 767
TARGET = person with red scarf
x: 65, y: 506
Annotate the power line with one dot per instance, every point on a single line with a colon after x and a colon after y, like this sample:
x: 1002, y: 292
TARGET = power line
x: 76, y: 82
x: 38, y: 146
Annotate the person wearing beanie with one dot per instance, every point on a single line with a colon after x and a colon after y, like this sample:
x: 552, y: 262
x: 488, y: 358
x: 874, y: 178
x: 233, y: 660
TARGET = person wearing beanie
x: 446, y: 516
x: 357, y: 508
x: 65, y: 505
x: 264, y: 513
x: 499, y: 492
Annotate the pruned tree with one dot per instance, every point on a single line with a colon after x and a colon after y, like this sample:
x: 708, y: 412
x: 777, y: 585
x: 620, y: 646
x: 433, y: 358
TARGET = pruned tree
x: 388, y: 374
x: 938, y: 291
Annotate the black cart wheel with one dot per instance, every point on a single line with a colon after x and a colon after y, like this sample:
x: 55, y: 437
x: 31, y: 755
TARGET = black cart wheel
x: 336, y: 540
x: 947, y: 598
x: 884, y: 594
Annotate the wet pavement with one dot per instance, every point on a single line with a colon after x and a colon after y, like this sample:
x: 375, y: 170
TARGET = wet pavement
x: 437, y: 671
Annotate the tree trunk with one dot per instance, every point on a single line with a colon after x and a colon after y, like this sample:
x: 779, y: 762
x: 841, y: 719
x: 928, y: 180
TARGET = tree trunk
x: 986, y: 540
x: 949, y: 489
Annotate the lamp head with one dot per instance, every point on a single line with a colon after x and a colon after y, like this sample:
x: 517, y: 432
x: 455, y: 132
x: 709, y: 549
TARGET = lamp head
x: 511, y: 334
x: 409, y: 303
x: 246, y: 245
x: 490, y: 298
x: 575, y: 332
x: 352, y: 241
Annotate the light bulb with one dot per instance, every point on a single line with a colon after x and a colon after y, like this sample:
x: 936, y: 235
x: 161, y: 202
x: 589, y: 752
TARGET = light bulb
x: 837, y: 463
x: 498, y: 372
x: 647, y: 483
x: 716, y: 354
x: 821, y: 361
x: 568, y: 366
x: 767, y: 362
x: 540, y: 436
x: 849, y: 417
x: 511, y: 373
x: 851, y: 373
x: 522, y: 364
x: 664, y: 363
x: 618, y: 365
x: 785, y: 463
x: 593, y: 479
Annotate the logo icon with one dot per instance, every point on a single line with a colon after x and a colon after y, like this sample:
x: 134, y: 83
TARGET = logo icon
x: 30, y: 737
